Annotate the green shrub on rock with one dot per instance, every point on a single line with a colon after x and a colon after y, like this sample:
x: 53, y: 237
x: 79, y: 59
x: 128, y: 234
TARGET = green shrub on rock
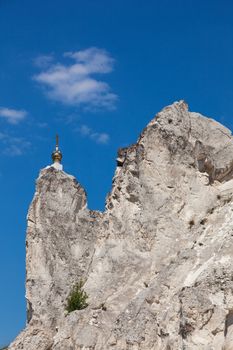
x: 77, y: 299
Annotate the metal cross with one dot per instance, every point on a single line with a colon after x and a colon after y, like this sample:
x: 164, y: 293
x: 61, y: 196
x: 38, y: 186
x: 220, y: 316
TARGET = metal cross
x: 57, y: 140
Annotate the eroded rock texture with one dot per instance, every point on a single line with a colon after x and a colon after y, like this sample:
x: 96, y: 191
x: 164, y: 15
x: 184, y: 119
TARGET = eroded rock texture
x: 157, y: 263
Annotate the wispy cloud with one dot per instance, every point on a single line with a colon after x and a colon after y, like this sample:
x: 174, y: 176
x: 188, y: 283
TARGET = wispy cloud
x: 76, y: 84
x: 86, y: 131
x: 43, y: 61
x: 42, y: 125
x: 13, y: 146
x: 12, y: 116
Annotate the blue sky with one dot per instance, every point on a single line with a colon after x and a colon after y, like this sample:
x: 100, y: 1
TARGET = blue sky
x: 95, y: 72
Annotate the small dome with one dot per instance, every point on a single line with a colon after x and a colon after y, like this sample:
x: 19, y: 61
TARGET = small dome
x: 57, y: 156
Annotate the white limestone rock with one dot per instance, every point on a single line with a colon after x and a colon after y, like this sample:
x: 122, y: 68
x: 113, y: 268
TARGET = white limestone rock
x: 157, y: 264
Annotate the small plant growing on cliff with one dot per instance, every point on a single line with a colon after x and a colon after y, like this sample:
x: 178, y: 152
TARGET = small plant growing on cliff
x: 77, y: 299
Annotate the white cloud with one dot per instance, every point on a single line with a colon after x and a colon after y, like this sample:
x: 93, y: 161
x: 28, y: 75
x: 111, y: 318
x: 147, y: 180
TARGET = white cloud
x: 102, y: 138
x: 12, y: 116
x: 13, y: 146
x: 86, y: 131
x: 76, y: 83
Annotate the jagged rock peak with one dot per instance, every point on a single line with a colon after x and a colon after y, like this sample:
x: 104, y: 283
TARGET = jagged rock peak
x: 157, y: 263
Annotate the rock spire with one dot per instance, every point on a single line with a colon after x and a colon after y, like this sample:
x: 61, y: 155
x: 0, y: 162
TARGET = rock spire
x: 157, y: 263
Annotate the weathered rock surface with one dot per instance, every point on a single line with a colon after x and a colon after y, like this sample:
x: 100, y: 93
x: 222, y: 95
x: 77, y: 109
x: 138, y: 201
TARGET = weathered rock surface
x: 157, y: 264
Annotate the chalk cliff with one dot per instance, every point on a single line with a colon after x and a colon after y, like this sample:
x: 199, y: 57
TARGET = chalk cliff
x: 157, y: 263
